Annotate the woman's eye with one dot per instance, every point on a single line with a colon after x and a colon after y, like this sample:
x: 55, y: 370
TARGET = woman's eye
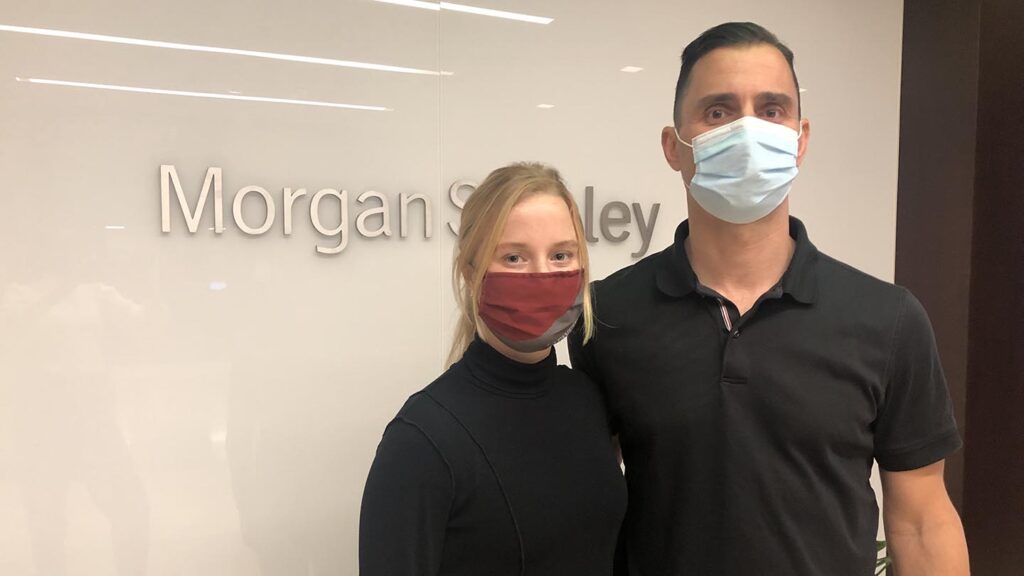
x: 513, y: 259
x: 563, y: 257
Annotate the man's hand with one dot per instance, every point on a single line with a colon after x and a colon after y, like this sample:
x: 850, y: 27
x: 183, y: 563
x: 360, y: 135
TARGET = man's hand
x: 923, y: 530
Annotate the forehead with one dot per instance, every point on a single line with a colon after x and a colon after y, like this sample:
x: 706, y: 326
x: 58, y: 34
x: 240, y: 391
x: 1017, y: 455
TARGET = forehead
x: 539, y: 216
x: 740, y: 70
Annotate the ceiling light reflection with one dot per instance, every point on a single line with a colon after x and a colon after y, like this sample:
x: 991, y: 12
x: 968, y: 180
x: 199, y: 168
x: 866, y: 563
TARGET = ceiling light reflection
x: 213, y: 95
x: 435, y: 6
x: 213, y: 49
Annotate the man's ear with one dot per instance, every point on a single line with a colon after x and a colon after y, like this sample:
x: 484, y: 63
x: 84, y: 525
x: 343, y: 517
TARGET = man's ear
x: 670, y: 146
x: 805, y: 136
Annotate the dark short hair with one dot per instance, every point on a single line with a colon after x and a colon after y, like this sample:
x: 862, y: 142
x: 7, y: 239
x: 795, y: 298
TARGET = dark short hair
x: 724, y: 36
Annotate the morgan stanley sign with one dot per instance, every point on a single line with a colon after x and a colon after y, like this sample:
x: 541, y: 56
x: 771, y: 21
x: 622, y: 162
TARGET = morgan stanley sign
x: 374, y: 212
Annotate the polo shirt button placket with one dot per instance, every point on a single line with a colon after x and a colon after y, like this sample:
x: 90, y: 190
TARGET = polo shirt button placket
x: 726, y: 320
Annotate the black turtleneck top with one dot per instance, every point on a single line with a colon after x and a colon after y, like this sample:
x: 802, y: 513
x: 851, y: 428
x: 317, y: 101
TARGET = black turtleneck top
x: 497, y: 468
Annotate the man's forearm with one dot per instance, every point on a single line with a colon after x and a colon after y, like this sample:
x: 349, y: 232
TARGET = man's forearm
x: 935, y: 550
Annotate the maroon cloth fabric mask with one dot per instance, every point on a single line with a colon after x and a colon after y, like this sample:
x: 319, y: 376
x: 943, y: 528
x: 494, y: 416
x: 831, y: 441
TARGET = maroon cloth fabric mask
x: 531, y: 311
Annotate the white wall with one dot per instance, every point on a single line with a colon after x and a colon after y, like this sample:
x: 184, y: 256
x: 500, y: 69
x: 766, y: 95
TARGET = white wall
x: 192, y: 402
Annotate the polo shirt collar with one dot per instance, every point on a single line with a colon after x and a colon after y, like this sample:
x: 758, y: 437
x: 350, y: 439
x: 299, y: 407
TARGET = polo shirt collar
x: 676, y: 278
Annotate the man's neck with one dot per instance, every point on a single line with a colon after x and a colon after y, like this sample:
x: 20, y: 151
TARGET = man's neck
x: 739, y: 261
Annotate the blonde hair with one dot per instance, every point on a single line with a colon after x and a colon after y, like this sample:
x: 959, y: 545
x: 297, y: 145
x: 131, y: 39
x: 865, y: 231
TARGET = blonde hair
x: 483, y: 222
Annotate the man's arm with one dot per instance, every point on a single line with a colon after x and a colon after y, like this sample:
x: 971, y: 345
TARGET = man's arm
x: 581, y: 355
x: 922, y: 529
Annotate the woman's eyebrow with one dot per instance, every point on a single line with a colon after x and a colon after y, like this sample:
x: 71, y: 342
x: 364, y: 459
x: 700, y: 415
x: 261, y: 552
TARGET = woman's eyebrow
x: 525, y: 246
x: 513, y: 246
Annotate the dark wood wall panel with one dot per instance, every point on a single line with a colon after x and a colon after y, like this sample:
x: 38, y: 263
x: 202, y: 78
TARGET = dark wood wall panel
x: 936, y: 181
x: 994, y: 465
x: 960, y: 246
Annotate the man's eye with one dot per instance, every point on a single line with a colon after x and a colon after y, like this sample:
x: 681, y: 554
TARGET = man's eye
x: 716, y: 114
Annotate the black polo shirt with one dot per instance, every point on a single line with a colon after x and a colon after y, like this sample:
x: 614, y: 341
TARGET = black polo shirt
x: 749, y: 440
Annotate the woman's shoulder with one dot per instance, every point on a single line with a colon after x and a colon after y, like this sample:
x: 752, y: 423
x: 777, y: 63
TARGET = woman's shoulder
x: 428, y: 412
x: 581, y: 387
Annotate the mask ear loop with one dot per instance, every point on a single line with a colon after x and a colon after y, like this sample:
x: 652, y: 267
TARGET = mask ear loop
x: 688, y: 145
x: 681, y: 141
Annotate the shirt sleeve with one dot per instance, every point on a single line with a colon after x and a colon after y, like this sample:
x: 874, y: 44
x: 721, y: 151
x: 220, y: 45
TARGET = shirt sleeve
x: 581, y: 356
x: 915, y: 426
x: 405, y: 507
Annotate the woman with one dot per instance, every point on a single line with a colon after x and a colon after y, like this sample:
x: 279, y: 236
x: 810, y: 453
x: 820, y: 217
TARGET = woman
x: 504, y: 465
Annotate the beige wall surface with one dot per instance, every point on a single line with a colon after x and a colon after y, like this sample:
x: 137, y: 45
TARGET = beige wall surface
x: 209, y: 402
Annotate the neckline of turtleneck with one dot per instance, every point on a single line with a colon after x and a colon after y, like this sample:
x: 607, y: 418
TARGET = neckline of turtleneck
x: 496, y: 373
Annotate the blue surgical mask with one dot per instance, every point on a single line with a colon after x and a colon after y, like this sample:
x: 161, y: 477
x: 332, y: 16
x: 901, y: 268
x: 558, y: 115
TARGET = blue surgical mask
x: 744, y: 168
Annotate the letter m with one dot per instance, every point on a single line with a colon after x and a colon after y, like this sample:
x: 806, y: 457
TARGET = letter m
x: 169, y: 176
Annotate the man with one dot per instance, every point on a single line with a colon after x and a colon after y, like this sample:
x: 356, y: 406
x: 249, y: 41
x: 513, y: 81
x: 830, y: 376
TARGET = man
x: 753, y: 380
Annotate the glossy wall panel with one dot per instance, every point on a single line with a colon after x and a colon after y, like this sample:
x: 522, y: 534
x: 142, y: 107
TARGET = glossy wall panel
x: 209, y: 403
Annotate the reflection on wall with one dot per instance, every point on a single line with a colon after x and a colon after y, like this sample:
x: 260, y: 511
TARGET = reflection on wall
x: 284, y: 440
x: 284, y: 472
x: 62, y: 422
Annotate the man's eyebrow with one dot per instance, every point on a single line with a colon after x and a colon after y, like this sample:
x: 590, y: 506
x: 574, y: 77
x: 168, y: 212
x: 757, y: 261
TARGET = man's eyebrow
x: 720, y: 98
x: 776, y: 97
